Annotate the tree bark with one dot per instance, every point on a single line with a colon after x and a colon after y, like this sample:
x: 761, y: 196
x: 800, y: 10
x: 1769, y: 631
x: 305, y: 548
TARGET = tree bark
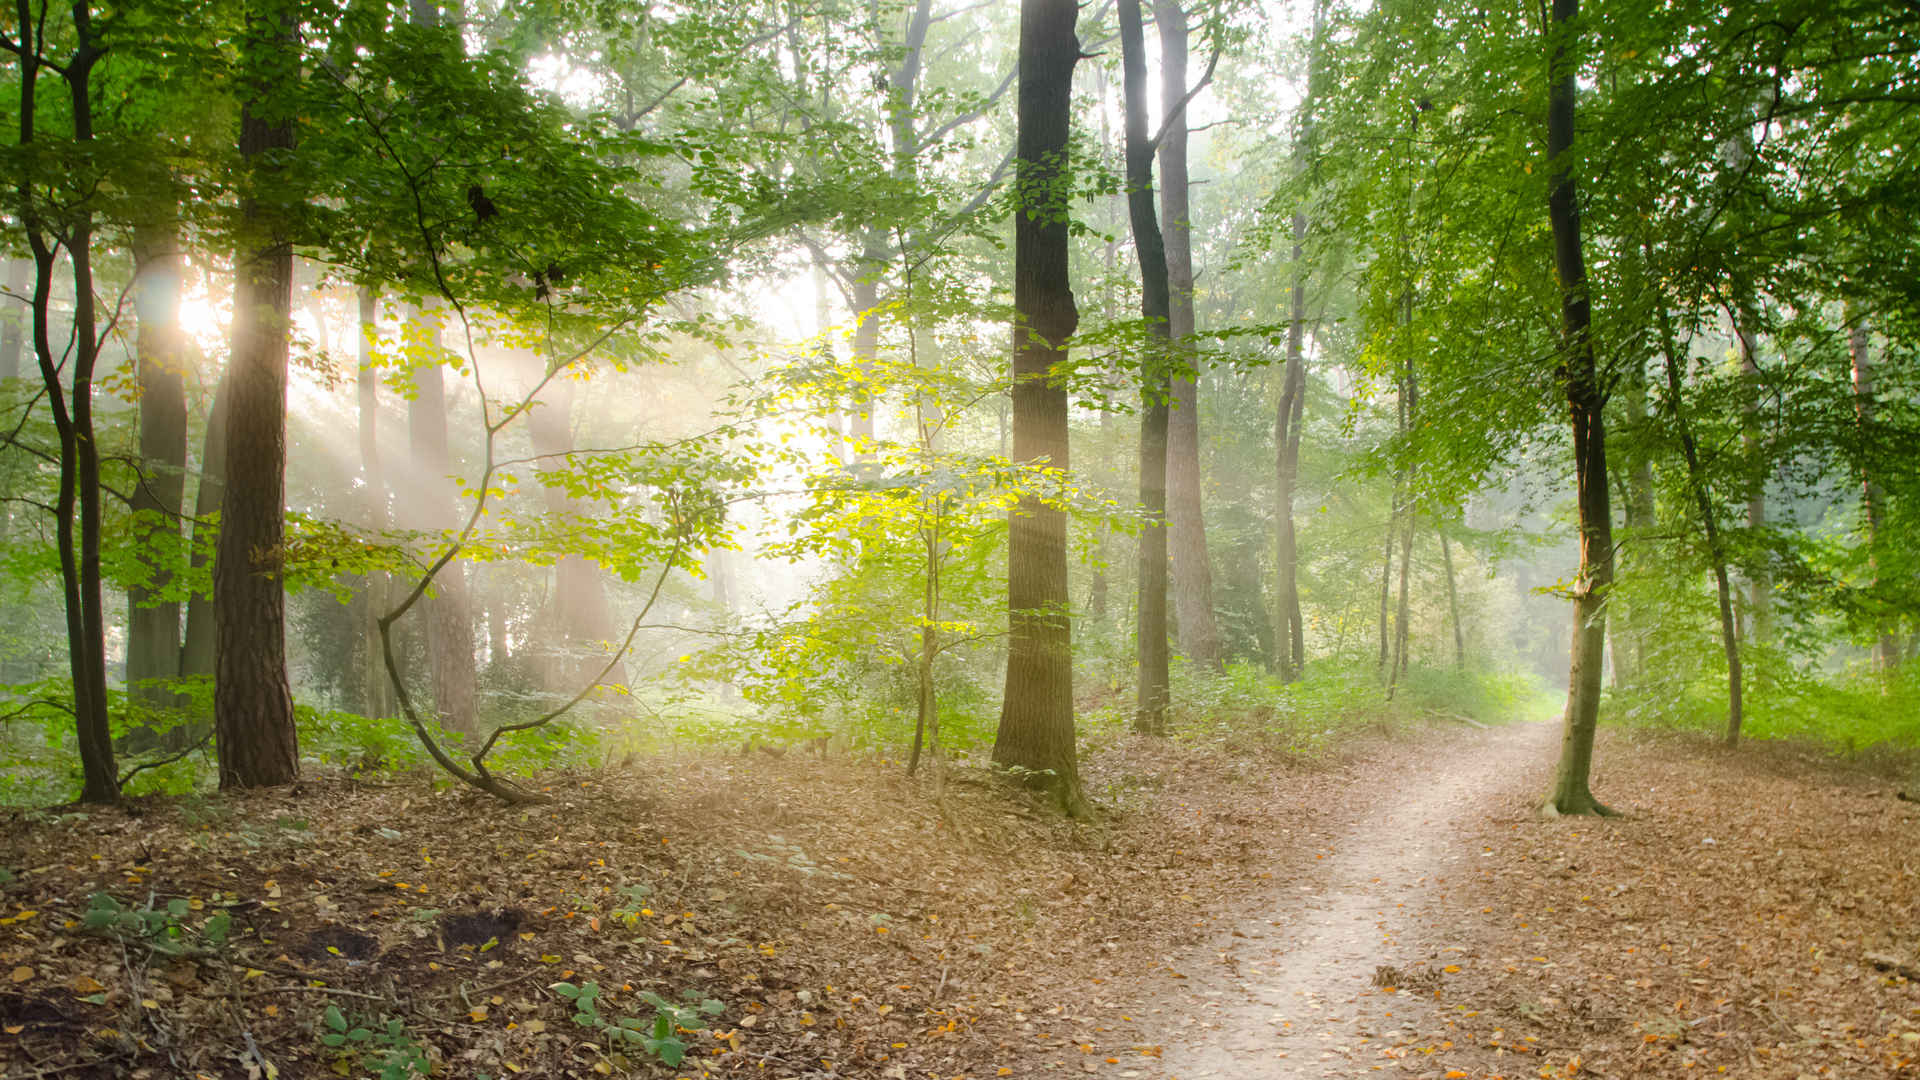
x: 1199, y: 627
x: 1453, y: 602
x: 253, y: 706
x: 1759, y: 582
x: 1036, y: 731
x: 1709, y: 521
x: 1409, y: 520
x: 1629, y: 646
x: 449, y: 623
x: 374, y: 590
x: 1150, y: 715
x: 197, y: 648
x: 153, y: 625
x: 1289, y: 630
x: 1859, y: 349
x: 1572, y: 792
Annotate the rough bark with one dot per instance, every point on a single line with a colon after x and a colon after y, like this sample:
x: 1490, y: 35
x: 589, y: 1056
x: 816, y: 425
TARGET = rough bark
x: 253, y: 706
x: 1150, y: 715
x: 1036, y: 731
x: 1199, y: 628
x: 1572, y: 793
x: 153, y: 624
x: 374, y: 590
x: 449, y: 623
x: 1886, y: 652
x: 197, y: 647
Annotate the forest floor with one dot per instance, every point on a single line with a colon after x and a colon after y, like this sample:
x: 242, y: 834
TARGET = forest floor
x: 1232, y: 911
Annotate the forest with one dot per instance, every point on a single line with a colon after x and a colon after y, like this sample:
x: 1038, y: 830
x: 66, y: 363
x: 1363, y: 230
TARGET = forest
x: 942, y: 538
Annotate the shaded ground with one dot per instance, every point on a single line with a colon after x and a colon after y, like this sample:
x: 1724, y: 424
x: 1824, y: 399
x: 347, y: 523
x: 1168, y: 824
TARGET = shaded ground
x: 841, y: 927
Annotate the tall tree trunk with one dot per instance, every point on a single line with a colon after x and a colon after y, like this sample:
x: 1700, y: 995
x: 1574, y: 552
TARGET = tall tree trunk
x: 1409, y: 520
x: 1036, y: 730
x: 1759, y: 582
x: 1572, y: 792
x: 197, y: 648
x: 1386, y: 584
x: 1886, y: 653
x: 1186, y: 522
x: 153, y: 625
x: 1629, y: 646
x: 1453, y: 602
x: 1290, y: 644
x: 374, y: 590
x: 77, y: 505
x: 1709, y: 521
x: 580, y: 614
x: 1150, y: 715
x: 13, y: 320
x: 252, y: 703
x: 449, y: 623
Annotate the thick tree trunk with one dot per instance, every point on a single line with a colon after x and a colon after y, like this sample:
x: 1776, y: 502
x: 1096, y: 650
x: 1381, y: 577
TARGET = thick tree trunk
x: 1150, y: 716
x: 1186, y: 523
x: 1709, y: 521
x: 1886, y: 653
x: 253, y: 705
x: 1036, y: 732
x: 1572, y: 793
x: 153, y: 625
x: 449, y: 623
x: 375, y: 589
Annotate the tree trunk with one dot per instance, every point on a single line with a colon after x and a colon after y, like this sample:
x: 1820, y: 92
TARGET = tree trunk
x: 1155, y: 304
x: 1036, y: 731
x: 449, y: 623
x: 1887, y: 644
x: 580, y: 614
x: 1716, y: 546
x: 374, y: 590
x: 197, y: 648
x: 1289, y: 631
x: 1453, y: 602
x: 1759, y: 582
x: 1409, y: 520
x: 1386, y: 584
x: 253, y: 705
x: 153, y: 625
x: 13, y: 320
x: 1586, y: 402
x: 78, y: 501
x: 1186, y: 522
x: 1629, y: 646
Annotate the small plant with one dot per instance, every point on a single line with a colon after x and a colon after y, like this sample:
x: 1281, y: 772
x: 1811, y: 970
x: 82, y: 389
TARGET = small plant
x: 388, y: 1047
x: 164, y: 930
x: 659, y: 1036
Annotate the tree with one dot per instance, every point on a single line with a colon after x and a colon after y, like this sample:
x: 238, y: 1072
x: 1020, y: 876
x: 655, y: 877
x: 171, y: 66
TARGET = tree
x: 1586, y: 402
x: 153, y: 621
x: 252, y: 702
x: 1150, y: 714
x: 1036, y: 732
x: 1199, y: 630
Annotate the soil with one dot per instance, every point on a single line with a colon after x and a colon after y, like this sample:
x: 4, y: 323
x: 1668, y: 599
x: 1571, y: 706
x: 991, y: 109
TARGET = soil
x: 1232, y: 912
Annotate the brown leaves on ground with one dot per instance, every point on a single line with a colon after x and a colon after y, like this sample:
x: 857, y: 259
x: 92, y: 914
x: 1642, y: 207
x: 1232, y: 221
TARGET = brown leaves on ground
x: 1748, y: 917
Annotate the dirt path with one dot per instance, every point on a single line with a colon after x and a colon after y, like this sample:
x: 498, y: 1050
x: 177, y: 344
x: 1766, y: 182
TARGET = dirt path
x: 1303, y: 991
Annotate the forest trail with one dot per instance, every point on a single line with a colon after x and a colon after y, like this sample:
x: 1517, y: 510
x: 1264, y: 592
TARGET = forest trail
x: 1293, y: 993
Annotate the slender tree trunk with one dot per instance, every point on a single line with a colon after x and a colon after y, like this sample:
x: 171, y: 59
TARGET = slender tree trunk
x: 1386, y: 586
x: 77, y: 506
x: 1629, y: 646
x: 1586, y: 401
x: 1290, y: 645
x: 1409, y: 520
x: 197, y: 648
x: 1886, y: 653
x: 1709, y: 521
x: 1453, y: 602
x: 1036, y: 732
x: 153, y: 625
x: 1759, y: 582
x: 253, y: 705
x: 13, y: 321
x: 1186, y: 522
x: 374, y: 590
x: 1155, y: 304
x: 449, y: 623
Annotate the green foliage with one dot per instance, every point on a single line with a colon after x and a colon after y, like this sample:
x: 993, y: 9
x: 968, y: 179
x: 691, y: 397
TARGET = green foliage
x: 387, y: 1047
x: 169, y: 930
x: 658, y: 1036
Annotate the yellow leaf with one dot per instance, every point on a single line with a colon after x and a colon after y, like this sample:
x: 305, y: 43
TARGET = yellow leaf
x: 1451, y: 969
x: 1455, y: 1074
x: 22, y: 973
x: 85, y: 984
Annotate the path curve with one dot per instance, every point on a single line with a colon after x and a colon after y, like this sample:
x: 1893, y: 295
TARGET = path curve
x: 1294, y: 994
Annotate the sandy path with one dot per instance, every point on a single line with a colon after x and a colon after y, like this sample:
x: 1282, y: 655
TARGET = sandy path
x: 1293, y: 994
